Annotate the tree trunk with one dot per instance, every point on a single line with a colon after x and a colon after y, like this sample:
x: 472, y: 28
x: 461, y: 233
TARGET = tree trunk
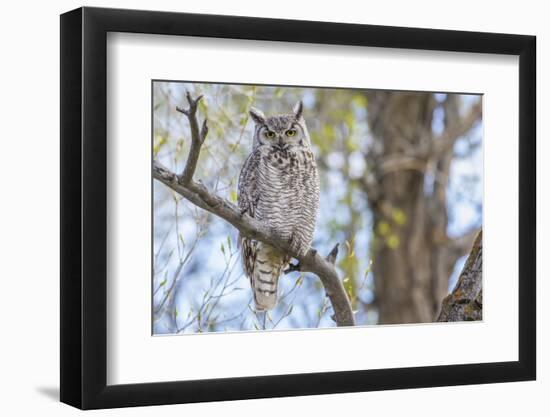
x: 412, y: 255
x: 465, y: 303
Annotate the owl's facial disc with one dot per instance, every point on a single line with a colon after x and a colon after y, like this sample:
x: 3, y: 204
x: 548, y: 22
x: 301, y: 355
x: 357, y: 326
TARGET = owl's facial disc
x: 282, y: 131
x: 283, y: 136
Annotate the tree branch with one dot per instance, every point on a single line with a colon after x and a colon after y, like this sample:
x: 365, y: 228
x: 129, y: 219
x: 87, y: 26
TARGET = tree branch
x: 199, y: 195
x: 197, y: 138
x: 465, y: 303
x: 399, y: 162
x: 447, y: 139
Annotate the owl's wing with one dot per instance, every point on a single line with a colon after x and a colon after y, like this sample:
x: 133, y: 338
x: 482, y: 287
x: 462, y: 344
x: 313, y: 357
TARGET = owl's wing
x: 248, y: 185
x: 248, y: 199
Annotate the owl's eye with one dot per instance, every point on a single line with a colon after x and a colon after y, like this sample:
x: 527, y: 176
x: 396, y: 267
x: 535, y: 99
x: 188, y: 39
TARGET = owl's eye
x: 269, y: 134
x: 290, y: 132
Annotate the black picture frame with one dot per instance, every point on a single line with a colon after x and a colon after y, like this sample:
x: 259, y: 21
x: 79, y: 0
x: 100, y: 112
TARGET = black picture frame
x: 84, y: 207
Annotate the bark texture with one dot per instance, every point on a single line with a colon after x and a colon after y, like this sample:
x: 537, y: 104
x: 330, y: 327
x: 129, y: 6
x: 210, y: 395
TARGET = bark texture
x: 465, y: 303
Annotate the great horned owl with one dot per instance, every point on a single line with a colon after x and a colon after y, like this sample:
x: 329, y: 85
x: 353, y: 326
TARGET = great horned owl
x: 279, y: 186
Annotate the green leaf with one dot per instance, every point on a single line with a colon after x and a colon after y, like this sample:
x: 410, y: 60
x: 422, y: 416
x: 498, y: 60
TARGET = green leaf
x: 360, y: 100
x: 399, y: 216
x: 392, y: 241
x: 383, y: 228
x: 159, y: 142
x: 203, y: 106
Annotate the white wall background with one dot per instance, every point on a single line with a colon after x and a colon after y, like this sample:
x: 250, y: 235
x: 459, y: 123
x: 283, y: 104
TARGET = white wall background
x: 29, y: 213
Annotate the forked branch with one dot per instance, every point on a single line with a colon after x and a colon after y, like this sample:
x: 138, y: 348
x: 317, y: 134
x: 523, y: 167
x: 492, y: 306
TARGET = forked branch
x: 197, y: 138
x: 199, y: 195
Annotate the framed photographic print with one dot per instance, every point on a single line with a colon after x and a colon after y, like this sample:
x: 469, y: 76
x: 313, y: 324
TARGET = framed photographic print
x: 255, y: 208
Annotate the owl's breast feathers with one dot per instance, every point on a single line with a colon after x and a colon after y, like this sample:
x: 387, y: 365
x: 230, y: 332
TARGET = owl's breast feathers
x: 284, y: 188
x: 281, y: 188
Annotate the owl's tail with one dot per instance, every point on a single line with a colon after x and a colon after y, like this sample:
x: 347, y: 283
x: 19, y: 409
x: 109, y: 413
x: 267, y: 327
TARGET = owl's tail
x: 264, y: 269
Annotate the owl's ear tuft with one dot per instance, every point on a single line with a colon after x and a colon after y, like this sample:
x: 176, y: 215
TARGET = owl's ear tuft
x: 298, y: 109
x: 257, y: 115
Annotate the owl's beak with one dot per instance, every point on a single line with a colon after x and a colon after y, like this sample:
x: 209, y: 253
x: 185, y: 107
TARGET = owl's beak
x: 281, y: 143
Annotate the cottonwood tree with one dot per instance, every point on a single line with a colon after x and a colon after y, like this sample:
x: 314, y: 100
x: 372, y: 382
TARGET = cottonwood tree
x: 413, y: 255
x: 406, y: 152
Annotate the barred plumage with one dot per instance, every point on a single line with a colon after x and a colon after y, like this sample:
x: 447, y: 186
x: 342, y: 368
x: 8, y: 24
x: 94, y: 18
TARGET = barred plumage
x: 278, y: 185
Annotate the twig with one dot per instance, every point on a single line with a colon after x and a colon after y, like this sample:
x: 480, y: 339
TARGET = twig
x: 333, y: 254
x: 181, y: 264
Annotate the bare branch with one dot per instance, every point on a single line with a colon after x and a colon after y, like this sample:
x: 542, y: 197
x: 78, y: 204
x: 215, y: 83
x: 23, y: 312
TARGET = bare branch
x: 331, y: 257
x: 447, y: 139
x: 398, y: 162
x: 199, y: 195
x: 197, y: 138
x: 465, y: 301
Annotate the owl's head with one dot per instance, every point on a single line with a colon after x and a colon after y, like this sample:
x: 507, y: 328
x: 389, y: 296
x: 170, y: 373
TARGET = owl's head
x: 282, y: 131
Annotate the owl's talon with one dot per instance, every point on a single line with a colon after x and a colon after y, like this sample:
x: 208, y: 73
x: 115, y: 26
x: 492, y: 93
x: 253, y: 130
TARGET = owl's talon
x: 292, y: 268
